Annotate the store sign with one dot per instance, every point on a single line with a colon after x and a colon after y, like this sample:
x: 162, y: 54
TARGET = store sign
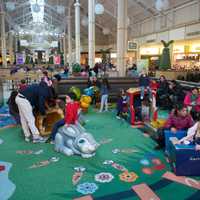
x: 132, y: 46
x: 149, y: 51
x: 19, y: 59
x: 179, y: 49
x: 195, y: 48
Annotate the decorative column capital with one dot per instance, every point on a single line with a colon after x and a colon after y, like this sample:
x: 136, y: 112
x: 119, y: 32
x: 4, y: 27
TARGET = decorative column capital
x: 77, y: 4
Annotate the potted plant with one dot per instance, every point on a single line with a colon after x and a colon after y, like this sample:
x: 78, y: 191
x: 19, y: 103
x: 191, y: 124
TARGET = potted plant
x: 76, y: 69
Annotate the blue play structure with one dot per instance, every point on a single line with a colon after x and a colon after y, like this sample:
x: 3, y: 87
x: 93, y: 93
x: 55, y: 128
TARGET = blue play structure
x: 5, y: 118
x: 89, y: 91
x: 184, y: 159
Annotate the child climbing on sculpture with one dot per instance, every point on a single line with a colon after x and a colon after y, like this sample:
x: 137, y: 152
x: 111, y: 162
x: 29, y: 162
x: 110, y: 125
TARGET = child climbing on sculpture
x: 71, y: 111
x: 72, y: 138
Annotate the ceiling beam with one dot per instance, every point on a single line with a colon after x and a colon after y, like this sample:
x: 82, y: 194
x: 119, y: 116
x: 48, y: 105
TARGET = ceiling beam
x: 142, y: 5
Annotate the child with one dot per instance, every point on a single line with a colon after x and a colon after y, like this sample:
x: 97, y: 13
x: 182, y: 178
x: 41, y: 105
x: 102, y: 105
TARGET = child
x: 145, y: 110
x: 104, y: 94
x: 144, y: 83
x: 122, y: 105
x: 46, y: 79
x: 22, y: 85
x: 193, y: 136
x: 71, y: 111
x: 94, y: 83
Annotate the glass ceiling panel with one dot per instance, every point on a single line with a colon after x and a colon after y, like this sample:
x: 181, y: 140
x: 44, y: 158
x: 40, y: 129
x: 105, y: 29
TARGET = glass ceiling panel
x: 37, y: 10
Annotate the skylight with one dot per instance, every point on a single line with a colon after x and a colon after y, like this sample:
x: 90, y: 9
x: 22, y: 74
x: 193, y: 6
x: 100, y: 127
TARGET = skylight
x: 37, y: 9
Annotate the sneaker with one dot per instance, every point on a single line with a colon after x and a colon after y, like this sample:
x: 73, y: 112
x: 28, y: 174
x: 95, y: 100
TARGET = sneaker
x: 39, y: 139
x: 118, y: 117
x: 27, y: 139
x: 52, y: 142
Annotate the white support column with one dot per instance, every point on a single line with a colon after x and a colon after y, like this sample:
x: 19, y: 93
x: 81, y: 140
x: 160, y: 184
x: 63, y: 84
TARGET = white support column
x: 11, y: 50
x: 91, y: 33
x: 77, y: 30
x: 61, y: 44
x: 64, y: 50
x: 69, y: 37
x: 121, y: 36
x: 3, y: 37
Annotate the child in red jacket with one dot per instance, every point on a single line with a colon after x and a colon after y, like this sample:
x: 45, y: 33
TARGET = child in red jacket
x: 72, y: 109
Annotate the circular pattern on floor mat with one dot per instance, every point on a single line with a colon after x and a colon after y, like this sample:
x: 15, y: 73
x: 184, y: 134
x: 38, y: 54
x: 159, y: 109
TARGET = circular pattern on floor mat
x: 128, y: 176
x: 87, y: 188
x: 104, y: 177
x: 147, y: 171
x: 144, y: 162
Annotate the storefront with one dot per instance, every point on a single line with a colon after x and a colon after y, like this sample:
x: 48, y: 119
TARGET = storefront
x: 152, y: 54
x: 185, y: 55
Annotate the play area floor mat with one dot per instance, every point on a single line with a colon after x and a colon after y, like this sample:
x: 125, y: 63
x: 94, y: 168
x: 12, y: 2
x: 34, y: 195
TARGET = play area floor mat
x: 125, y: 167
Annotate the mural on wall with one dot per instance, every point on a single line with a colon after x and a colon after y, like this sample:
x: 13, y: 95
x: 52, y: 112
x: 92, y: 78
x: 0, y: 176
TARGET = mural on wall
x: 165, y: 60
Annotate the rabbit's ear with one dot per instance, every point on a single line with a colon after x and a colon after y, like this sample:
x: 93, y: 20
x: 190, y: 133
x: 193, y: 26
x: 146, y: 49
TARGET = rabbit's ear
x: 170, y: 42
x: 164, y: 43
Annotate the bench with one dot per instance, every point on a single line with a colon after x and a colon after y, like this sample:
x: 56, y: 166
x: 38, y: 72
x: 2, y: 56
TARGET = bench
x: 116, y: 83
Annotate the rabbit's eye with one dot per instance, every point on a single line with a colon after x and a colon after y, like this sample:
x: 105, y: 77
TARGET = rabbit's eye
x: 81, y: 141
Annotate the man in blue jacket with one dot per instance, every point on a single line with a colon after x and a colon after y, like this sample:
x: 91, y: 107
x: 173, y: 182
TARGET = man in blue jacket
x: 33, y: 97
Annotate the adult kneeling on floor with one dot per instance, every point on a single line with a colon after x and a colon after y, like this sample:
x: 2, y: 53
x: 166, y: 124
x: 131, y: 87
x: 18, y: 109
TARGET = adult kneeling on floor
x: 33, y: 97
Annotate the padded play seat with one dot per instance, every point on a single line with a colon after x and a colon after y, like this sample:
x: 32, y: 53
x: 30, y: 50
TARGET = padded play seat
x: 184, y: 159
x: 169, y: 134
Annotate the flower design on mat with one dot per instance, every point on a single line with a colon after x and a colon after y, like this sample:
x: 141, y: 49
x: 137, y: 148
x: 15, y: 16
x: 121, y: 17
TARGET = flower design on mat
x: 119, y: 167
x: 87, y: 188
x: 147, y: 170
x: 128, y: 176
x: 144, y: 162
x: 104, y: 177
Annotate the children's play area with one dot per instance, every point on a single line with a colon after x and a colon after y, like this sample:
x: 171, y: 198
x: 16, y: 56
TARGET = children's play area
x: 125, y: 164
x: 125, y: 167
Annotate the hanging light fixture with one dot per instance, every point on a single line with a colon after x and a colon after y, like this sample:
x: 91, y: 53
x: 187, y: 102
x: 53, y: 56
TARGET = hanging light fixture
x: 99, y: 9
x: 36, y: 7
x: 161, y: 5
